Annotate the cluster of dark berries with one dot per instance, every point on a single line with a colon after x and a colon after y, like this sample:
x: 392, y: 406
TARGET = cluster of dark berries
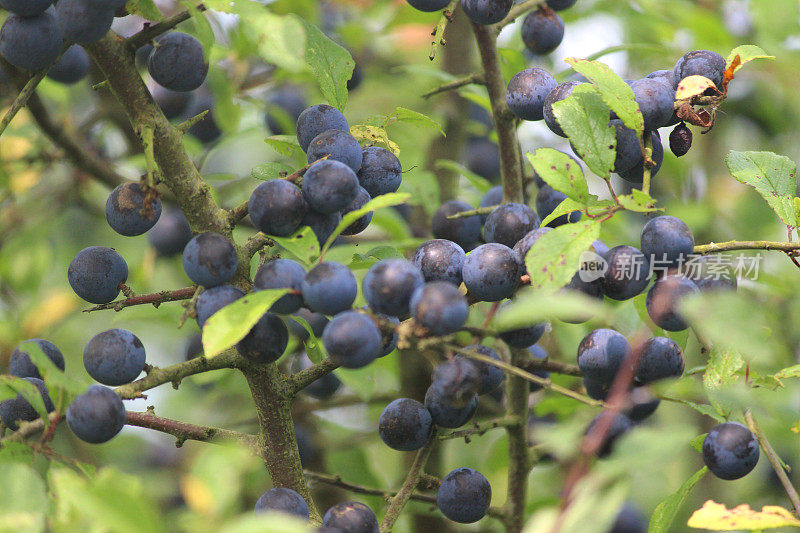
x: 532, y: 92
x: 34, y: 34
x: 341, y: 177
x: 113, y: 357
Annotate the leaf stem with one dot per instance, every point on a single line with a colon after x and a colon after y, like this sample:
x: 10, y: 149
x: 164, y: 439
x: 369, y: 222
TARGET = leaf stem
x: 412, y: 479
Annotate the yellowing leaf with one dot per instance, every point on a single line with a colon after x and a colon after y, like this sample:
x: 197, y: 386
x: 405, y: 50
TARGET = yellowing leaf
x: 693, y: 86
x: 15, y: 147
x: 374, y: 135
x: 49, y: 312
x: 198, y: 497
x: 23, y: 180
x: 716, y: 517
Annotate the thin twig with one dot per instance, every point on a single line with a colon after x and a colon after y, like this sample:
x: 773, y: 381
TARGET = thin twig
x: 476, y: 78
x: 304, y: 378
x: 156, y: 299
x: 183, y: 431
x: 473, y: 212
x: 517, y: 11
x: 337, y: 481
x: 175, y: 373
x: 774, y: 460
x: 342, y: 401
x: 544, y: 383
x: 479, y: 428
x: 730, y: 246
x: 438, y: 32
x: 21, y: 99
x: 412, y: 479
x: 151, y: 31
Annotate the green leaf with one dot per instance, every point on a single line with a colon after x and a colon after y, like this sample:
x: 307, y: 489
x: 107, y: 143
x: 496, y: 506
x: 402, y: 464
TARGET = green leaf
x: 788, y: 372
x: 385, y: 200
x: 616, y: 94
x: 303, y: 245
x: 61, y: 387
x: 144, y: 8
x: 331, y: 63
x: 233, y: 322
x: 664, y: 514
x: 284, y: 144
x: 481, y: 184
x: 561, y: 172
x: 11, y: 386
x: 83, y: 502
x: 584, y: 118
x: 746, y: 53
x: 534, y: 307
x: 270, y: 171
x: 722, y: 368
x: 638, y: 202
x: 703, y: 409
x: 697, y: 442
x: 281, y: 40
x: 202, y: 28
x: 274, y: 522
x: 407, y: 116
x: 24, y: 502
x: 773, y: 176
x: 555, y: 258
